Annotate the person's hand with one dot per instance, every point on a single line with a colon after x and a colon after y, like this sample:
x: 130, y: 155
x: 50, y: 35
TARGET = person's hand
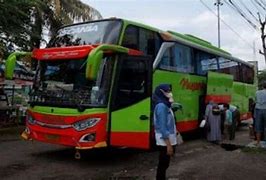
x: 170, y: 150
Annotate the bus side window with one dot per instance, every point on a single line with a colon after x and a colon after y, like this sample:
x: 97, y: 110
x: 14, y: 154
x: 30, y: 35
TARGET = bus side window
x: 247, y: 74
x: 131, y: 37
x: 132, y: 83
x: 147, y: 41
x: 183, y: 59
x: 178, y: 59
x: 166, y: 62
x: 205, y: 62
x: 229, y: 67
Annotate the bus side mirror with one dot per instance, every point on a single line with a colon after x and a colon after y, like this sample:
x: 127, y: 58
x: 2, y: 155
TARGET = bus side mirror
x: 95, y: 57
x: 10, y: 66
x: 11, y: 63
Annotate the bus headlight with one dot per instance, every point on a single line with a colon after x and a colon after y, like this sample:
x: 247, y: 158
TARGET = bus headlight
x: 30, y: 119
x: 85, y: 124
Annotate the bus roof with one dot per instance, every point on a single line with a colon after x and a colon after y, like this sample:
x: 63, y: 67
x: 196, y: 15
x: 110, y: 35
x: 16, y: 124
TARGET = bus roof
x: 186, y: 39
x: 206, y: 46
x: 193, y: 41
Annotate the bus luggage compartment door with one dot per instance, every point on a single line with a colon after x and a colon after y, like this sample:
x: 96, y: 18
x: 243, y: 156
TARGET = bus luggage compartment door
x: 219, y: 87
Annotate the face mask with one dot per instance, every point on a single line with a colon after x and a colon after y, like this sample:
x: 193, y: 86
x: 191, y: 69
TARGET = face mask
x: 169, y: 95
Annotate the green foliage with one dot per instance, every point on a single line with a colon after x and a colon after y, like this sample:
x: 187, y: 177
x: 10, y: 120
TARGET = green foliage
x: 22, y: 21
x: 15, y: 22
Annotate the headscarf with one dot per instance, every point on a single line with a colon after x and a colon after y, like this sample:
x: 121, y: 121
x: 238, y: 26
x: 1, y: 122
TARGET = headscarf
x: 159, y: 97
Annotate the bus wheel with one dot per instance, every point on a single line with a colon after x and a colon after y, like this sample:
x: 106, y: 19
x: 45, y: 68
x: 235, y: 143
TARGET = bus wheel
x: 77, y: 155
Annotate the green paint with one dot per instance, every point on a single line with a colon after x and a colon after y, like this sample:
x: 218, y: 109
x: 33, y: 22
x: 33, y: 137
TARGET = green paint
x: 66, y: 111
x: 11, y: 63
x: 198, y: 41
x: 95, y: 58
x: 128, y: 119
x: 219, y: 84
x: 182, y: 91
x: 241, y: 95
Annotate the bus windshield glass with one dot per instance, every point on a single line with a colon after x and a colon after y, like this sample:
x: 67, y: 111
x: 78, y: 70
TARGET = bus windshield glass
x: 63, y: 83
x: 87, y: 34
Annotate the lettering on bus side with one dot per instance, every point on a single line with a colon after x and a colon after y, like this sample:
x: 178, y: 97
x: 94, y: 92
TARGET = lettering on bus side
x: 193, y: 86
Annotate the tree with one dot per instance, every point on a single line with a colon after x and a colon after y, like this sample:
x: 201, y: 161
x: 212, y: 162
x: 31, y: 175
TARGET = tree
x: 54, y: 13
x: 24, y: 21
x: 255, y: 21
x: 14, y: 23
x: 263, y: 36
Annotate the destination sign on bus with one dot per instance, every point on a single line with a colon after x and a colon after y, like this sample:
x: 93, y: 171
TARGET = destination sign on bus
x: 78, y: 29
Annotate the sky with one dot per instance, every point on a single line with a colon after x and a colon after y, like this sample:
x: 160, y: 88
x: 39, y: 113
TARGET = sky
x: 193, y: 17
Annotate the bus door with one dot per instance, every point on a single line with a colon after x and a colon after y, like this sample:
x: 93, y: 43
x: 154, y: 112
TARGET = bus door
x: 219, y: 87
x: 130, y: 118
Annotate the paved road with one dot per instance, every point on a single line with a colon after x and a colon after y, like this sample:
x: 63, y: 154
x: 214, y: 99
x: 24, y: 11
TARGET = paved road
x: 196, y: 159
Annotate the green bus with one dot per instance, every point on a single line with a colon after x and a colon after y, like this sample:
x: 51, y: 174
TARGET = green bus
x: 94, y: 82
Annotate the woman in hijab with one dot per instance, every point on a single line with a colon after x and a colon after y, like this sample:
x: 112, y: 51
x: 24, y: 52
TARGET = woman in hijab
x: 164, y: 125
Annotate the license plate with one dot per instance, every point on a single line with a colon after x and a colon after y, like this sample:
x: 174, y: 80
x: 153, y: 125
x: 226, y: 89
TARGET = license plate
x: 52, y: 137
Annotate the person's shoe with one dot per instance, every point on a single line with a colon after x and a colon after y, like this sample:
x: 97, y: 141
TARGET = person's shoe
x: 253, y: 144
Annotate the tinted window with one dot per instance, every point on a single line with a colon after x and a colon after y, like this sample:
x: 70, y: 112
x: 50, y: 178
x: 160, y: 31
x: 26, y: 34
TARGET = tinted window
x: 205, y: 62
x: 247, y: 74
x: 132, y: 82
x: 87, y: 33
x: 182, y: 59
x: 141, y: 39
x: 131, y: 38
x: 166, y: 62
x: 229, y: 67
x: 177, y: 58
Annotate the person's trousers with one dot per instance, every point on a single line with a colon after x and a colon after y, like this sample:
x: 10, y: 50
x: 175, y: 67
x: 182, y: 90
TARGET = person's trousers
x: 235, y: 120
x: 164, y: 161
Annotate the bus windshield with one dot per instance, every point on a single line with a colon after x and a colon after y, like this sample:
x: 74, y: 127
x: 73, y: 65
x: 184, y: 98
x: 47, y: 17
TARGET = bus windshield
x: 97, y: 32
x: 63, y: 83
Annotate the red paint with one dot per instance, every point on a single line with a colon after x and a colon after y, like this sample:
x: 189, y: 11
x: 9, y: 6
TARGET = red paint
x: 218, y: 98
x: 71, y: 52
x: 62, y: 53
x: 193, y: 86
x: 187, y: 125
x: 131, y: 139
x: 61, y: 120
x: 69, y: 136
x: 134, y: 52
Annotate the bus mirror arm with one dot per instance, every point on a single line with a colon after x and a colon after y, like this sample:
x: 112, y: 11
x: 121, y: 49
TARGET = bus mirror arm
x: 95, y: 58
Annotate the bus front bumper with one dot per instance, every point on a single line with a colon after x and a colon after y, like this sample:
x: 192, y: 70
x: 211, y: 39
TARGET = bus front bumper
x: 90, y: 138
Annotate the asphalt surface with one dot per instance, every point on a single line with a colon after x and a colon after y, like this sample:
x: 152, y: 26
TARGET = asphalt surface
x: 195, y: 159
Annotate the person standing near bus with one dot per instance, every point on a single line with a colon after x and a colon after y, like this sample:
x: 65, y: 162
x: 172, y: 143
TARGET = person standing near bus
x: 165, y: 128
x: 228, y: 122
x: 260, y: 113
x: 235, y: 120
x: 213, y: 118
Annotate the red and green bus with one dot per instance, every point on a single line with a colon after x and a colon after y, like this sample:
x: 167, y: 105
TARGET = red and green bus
x: 94, y: 82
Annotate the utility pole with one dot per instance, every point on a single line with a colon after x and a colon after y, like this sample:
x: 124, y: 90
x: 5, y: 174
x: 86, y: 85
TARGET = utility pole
x: 218, y: 4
